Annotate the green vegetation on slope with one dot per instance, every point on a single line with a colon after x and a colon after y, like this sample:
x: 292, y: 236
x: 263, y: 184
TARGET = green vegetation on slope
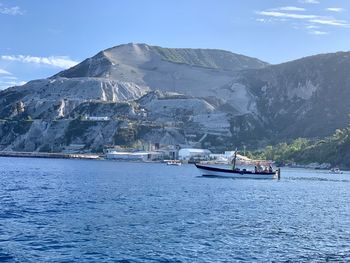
x: 334, y: 149
x: 208, y: 58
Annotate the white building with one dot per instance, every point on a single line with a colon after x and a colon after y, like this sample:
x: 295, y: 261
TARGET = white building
x: 96, y: 118
x: 134, y: 156
x: 194, y: 154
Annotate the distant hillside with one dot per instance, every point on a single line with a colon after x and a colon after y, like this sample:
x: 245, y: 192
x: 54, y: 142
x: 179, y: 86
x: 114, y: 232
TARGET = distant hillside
x: 334, y: 149
x: 303, y: 98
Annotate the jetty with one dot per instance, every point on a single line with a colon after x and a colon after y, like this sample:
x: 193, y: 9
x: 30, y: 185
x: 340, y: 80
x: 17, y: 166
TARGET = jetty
x: 48, y: 155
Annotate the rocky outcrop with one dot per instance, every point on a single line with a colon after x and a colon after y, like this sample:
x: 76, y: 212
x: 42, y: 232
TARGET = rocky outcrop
x: 302, y: 98
x: 52, y: 98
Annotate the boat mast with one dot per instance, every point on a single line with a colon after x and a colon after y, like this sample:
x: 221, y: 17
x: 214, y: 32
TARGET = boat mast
x: 234, y: 160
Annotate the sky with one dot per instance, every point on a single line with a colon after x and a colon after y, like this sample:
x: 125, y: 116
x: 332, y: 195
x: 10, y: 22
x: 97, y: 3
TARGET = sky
x: 40, y: 38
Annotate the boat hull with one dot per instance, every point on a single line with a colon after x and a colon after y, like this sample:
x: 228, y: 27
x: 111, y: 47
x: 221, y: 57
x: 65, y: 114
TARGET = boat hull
x: 220, y: 172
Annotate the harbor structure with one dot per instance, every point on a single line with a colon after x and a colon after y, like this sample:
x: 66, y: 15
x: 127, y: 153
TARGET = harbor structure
x: 134, y: 156
x: 193, y: 154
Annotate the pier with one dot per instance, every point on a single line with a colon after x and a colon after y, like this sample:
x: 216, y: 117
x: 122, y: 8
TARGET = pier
x: 48, y: 155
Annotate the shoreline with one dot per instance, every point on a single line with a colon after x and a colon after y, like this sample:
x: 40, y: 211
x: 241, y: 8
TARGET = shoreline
x: 50, y: 155
x: 68, y: 156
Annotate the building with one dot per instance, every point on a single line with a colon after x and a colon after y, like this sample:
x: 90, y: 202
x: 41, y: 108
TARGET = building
x: 96, y: 118
x: 191, y: 154
x: 134, y: 156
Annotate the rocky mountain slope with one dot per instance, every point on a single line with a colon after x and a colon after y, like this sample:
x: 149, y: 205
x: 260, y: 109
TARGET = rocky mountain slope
x: 195, y: 72
x: 198, y: 97
x: 303, y: 98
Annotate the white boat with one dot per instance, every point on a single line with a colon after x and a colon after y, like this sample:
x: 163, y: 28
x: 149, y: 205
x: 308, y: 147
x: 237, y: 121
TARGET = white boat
x: 237, y: 173
x: 335, y: 171
x: 174, y: 162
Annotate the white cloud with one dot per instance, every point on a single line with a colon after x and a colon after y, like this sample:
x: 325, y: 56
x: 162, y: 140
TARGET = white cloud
x: 330, y: 22
x: 8, y: 77
x: 312, y: 27
x: 309, y: 1
x: 6, y: 82
x: 290, y: 8
x: 318, y: 32
x: 4, y: 72
x: 286, y: 15
x: 261, y: 20
x: 335, y: 9
x: 313, y: 19
x: 55, y: 61
x: 13, y: 11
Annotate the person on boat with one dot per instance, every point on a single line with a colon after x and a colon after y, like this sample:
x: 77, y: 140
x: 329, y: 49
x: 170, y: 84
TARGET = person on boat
x: 259, y: 167
x: 270, y: 168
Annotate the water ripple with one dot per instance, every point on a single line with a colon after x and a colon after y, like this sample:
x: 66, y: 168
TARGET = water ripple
x: 89, y: 211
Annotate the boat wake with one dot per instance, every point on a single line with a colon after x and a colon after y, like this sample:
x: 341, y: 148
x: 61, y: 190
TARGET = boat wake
x: 319, y: 179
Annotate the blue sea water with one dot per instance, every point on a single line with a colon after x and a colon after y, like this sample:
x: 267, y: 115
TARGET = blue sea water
x: 102, y: 211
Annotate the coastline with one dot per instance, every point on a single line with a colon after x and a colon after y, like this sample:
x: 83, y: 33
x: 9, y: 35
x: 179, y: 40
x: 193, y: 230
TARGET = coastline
x: 49, y: 155
x: 45, y: 155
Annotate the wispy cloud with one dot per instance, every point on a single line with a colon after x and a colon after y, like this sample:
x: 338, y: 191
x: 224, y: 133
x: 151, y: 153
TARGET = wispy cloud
x: 309, y: 1
x: 330, y: 22
x: 310, y: 18
x: 318, y: 32
x: 4, y: 72
x: 312, y: 23
x: 10, y: 81
x: 55, y: 61
x: 335, y: 9
x: 286, y: 15
x: 311, y: 27
x: 13, y: 10
x: 290, y: 8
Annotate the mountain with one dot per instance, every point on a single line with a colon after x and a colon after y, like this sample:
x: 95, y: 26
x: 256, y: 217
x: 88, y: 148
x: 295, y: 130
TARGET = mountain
x: 303, y: 98
x: 198, y: 97
x: 142, y: 58
x: 196, y: 72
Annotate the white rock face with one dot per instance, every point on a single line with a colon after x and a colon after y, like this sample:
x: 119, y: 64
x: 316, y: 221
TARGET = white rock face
x: 127, y: 72
x: 65, y: 94
x: 215, y: 124
x: 239, y: 97
x: 195, y: 72
x: 303, y: 90
x: 83, y: 89
x: 171, y: 107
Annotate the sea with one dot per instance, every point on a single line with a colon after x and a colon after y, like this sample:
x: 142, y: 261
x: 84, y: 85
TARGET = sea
x: 55, y: 210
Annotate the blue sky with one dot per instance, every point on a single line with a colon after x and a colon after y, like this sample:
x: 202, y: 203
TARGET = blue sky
x: 40, y: 38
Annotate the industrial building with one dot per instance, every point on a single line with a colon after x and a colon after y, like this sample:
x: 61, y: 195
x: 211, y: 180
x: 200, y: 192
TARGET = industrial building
x: 192, y: 154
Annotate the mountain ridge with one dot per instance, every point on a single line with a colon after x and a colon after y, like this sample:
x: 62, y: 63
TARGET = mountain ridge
x: 150, y: 93
x: 187, y: 56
